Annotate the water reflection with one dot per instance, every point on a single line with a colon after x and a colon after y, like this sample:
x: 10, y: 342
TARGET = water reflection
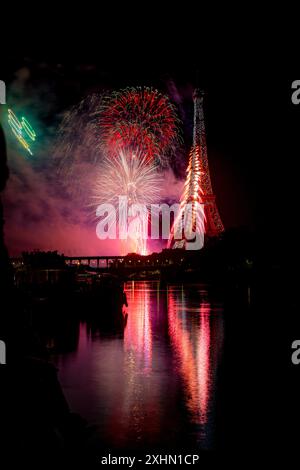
x: 138, y: 404
x: 156, y: 386
x: 138, y: 334
x: 197, y: 337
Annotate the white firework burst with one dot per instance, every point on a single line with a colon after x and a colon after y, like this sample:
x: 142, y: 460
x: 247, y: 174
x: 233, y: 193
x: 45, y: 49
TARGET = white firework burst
x: 127, y: 181
x: 129, y: 175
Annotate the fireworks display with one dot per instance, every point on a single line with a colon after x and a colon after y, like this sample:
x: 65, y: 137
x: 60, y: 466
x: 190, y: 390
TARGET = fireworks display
x: 129, y: 175
x: 134, y: 180
x: 138, y: 119
x: 78, y: 139
x: 124, y: 138
x: 22, y: 130
x: 138, y: 128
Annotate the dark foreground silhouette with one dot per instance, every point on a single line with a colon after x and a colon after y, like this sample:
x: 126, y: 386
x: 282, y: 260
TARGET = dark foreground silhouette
x: 37, y: 425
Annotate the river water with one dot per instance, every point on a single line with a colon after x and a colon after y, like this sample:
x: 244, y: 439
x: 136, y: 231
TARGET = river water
x: 156, y: 386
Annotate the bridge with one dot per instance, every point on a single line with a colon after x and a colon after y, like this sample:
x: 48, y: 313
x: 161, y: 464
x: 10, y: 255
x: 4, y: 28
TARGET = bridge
x: 119, y: 262
x: 155, y: 261
x: 163, y: 265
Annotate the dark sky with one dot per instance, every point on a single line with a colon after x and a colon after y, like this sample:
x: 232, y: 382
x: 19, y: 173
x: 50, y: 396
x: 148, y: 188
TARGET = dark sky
x: 250, y: 142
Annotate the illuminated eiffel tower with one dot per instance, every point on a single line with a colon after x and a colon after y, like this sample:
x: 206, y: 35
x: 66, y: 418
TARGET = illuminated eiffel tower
x: 197, y: 189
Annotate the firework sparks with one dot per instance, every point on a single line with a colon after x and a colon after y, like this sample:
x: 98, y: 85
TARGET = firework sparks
x: 129, y: 175
x: 138, y: 119
x: 134, y: 180
x: 126, y: 136
x: 76, y: 139
x: 138, y: 128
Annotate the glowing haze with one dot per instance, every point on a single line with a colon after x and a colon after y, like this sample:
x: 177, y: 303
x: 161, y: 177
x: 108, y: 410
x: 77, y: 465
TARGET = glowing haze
x: 48, y: 198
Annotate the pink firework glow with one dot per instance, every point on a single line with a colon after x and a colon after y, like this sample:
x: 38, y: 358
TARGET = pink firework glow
x: 136, y: 123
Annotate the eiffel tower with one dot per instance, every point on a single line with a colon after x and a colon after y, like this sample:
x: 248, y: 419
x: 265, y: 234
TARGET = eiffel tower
x: 198, y: 188
x: 213, y: 223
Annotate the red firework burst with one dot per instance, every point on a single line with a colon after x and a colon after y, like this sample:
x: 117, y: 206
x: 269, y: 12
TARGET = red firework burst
x: 138, y: 119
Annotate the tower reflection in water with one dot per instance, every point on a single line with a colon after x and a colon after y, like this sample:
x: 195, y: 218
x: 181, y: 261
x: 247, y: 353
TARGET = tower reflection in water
x: 155, y: 386
x: 196, y: 332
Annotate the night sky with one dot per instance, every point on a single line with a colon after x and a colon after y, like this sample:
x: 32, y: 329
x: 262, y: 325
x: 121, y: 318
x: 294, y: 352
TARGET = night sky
x: 244, y: 122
